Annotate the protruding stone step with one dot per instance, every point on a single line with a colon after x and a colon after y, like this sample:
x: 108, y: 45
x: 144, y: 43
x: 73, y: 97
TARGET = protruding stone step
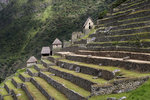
x: 72, y: 91
x: 25, y: 77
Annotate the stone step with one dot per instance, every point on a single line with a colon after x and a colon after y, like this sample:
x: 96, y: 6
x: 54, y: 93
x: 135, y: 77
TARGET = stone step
x: 129, y: 64
x: 55, y: 94
x: 72, y: 91
x: 140, y: 43
x: 83, y: 80
x: 4, y: 94
x: 17, y: 82
x: 117, y: 54
x: 32, y: 92
x: 18, y: 94
x: 118, y: 48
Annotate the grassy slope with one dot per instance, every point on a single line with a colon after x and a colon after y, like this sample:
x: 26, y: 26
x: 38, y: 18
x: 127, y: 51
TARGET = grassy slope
x: 27, y: 25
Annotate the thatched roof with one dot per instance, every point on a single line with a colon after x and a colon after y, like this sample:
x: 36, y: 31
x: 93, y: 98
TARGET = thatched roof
x: 45, y: 50
x: 32, y: 60
x: 87, y: 21
x: 57, y: 42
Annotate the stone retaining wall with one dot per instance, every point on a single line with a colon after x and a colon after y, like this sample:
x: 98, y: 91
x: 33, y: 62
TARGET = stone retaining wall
x: 17, y: 85
x: 27, y: 92
x: 87, y: 70
x: 7, y: 89
x: 31, y: 73
x: 25, y: 79
x: 37, y: 85
x: 60, y: 87
x: 38, y: 69
x: 86, y: 84
x: 141, y: 67
x: 47, y: 65
x: 119, y: 86
x: 14, y: 95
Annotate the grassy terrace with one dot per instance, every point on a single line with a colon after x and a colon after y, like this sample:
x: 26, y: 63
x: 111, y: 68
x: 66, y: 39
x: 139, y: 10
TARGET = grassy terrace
x: 50, y: 90
x: 34, y: 91
x: 33, y: 70
x: 133, y: 23
x: 17, y: 79
x: 130, y: 28
x: 4, y: 92
x: 119, y: 42
x: 23, y: 95
x: 25, y: 75
x: 129, y: 7
x: 47, y: 61
x: 69, y: 85
x: 40, y: 66
x: 56, y: 56
x: 130, y: 13
x: 126, y: 73
x: 84, y: 76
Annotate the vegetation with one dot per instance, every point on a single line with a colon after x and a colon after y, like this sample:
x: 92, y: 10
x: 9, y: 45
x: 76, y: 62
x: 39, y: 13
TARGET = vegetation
x: 27, y: 25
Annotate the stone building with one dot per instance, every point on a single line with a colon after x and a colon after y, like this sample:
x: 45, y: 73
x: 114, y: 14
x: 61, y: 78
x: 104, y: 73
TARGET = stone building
x: 31, y: 61
x: 57, y: 44
x: 89, y: 24
x: 46, y: 51
x: 76, y: 36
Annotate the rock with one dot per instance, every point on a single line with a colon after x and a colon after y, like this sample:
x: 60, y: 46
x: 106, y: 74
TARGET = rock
x: 100, y: 64
x: 77, y: 69
x: 18, y: 95
x: 112, y: 98
x: 71, y: 67
x: 99, y: 74
x: 126, y: 58
x: 123, y: 98
x: 95, y: 77
x: 52, y: 75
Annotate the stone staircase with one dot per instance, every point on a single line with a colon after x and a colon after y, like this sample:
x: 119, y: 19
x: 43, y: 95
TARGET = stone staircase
x: 116, y: 60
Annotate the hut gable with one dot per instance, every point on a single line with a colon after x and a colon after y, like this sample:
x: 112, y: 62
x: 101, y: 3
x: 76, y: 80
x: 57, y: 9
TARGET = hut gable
x: 88, y: 24
x: 32, y: 60
x: 57, y: 42
x: 45, y: 50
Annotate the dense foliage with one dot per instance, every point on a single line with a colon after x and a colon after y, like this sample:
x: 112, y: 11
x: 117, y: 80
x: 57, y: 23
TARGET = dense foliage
x: 27, y: 25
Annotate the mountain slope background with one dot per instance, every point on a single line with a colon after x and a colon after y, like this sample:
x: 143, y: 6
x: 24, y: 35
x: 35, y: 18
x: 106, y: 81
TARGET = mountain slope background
x: 27, y: 25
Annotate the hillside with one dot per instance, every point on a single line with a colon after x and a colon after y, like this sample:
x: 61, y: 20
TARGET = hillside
x: 111, y: 62
x: 27, y: 25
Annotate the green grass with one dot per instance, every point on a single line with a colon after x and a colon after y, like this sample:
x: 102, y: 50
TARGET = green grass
x: 17, y: 79
x: 40, y: 66
x: 70, y: 85
x: 84, y: 76
x: 17, y: 91
x: 86, y: 36
x: 50, y: 90
x: 56, y: 56
x: 126, y: 73
x: 34, y: 91
x: 47, y: 61
x: 33, y: 70
x: 25, y: 75
x: 4, y: 92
